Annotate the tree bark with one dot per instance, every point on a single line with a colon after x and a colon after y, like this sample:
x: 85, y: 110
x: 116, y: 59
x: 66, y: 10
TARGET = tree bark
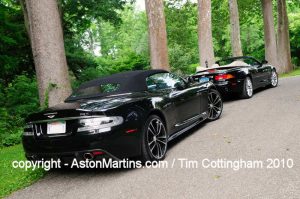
x: 206, y: 50
x: 26, y: 20
x: 269, y: 34
x: 157, y: 34
x: 48, y: 51
x: 235, y: 28
x: 284, y: 48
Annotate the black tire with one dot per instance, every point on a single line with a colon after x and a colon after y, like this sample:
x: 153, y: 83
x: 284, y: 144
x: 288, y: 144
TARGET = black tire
x: 215, y: 105
x: 247, y: 91
x: 274, y: 79
x: 154, y: 140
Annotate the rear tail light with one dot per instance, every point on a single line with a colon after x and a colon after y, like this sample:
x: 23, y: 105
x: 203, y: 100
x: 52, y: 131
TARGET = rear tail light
x: 99, y: 124
x: 223, y: 77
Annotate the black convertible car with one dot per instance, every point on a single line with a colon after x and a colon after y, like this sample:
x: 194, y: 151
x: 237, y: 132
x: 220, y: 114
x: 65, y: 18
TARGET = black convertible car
x: 131, y: 114
x: 239, y: 75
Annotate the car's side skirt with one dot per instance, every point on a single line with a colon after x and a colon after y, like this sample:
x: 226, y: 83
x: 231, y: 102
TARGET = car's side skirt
x: 201, y: 119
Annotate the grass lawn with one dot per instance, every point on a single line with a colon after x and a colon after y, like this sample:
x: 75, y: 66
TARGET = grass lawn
x: 293, y: 73
x: 12, y: 179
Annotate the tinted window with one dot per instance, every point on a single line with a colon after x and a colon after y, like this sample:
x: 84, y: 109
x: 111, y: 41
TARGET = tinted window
x: 94, y: 90
x: 163, y: 81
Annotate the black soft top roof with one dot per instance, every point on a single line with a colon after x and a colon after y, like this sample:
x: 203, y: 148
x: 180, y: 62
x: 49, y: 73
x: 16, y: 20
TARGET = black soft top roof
x: 131, y: 81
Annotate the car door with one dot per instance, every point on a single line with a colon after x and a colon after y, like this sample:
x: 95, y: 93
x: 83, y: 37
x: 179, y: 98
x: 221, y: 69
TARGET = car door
x: 267, y: 71
x: 184, y: 99
x: 258, y: 72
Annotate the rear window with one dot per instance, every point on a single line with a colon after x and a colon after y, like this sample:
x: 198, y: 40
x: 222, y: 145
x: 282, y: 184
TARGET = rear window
x: 96, y: 90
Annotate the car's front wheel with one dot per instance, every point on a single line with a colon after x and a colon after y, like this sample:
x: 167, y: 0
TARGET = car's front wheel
x: 215, y: 105
x: 155, y: 139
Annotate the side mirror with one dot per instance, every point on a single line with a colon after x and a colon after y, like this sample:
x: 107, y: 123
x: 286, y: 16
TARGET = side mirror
x: 189, y: 79
x: 264, y: 61
x: 179, y: 86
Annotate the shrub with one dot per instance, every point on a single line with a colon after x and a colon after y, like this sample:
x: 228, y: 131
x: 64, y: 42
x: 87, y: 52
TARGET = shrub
x: 18, y: 100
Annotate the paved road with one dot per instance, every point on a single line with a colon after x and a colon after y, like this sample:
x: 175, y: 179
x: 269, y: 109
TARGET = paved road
x: 266, y: 126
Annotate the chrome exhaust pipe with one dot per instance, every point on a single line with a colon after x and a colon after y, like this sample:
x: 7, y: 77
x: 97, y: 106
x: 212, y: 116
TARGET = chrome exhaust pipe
x: 88, y: 156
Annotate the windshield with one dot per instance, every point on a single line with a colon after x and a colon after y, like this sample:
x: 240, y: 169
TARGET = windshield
x: 95, y: 90
x: 238, y: 61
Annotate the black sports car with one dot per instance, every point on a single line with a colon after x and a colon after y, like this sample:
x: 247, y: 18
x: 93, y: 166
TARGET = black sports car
x: 239, y: 75
x: 131, y: 114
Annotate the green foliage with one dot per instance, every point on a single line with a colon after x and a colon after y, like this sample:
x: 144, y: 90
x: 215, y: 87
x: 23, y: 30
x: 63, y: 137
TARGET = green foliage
x: 22, y: 96
x: 294, y: 18
x: 181, y: 20
x: 108, y: 65
x: 15, y: 53
x: 78, y: 15
x: 10, y: 134
x: 20, y: 99
x: 12, y: 179
x: 181, y: 59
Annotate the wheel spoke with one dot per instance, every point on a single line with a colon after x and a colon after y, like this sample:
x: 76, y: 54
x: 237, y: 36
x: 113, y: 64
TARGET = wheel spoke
x: 159, y: 127
x: 217, y: 99
x: 210, y: 112
x: 153, y: 129
x: 151, y: 142
x: 149, y: 129
x: 216, y: 110
x: 158, y: 140
x: 210, y: 97
x: 153, y: 147
x: 159, y: 151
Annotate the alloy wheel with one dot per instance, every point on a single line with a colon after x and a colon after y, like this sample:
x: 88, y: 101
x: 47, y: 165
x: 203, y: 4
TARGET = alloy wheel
x: 249, y: 87
x: 157, y: 138
x: 215, y: 105
x: 274, y: 79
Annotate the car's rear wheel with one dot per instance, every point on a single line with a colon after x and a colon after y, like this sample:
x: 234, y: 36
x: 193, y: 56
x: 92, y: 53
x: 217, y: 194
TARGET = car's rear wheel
x: 274, y: 79
x: 247, y: 89
x: 155, y: 139
x: 215, y: 105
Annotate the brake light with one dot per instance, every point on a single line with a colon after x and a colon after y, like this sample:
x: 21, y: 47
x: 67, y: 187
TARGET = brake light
x: 223, y: 77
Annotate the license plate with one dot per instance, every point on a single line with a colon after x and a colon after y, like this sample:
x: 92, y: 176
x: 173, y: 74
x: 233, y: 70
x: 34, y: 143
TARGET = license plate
x: 203, y: 79
x: 57, y: 127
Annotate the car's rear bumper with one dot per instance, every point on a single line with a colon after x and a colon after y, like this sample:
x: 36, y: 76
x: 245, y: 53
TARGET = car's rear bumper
x: 116, y: 144
x: 231, y: 86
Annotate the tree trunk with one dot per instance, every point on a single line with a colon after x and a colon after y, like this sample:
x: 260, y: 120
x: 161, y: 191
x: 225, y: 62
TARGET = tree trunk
x: 235, y: 29
x: 284, y: 48
x: 157, y: 34
x: 270, y: 35
x: 26, y: 20
x: 48, y: 51
x: 206, y: 50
